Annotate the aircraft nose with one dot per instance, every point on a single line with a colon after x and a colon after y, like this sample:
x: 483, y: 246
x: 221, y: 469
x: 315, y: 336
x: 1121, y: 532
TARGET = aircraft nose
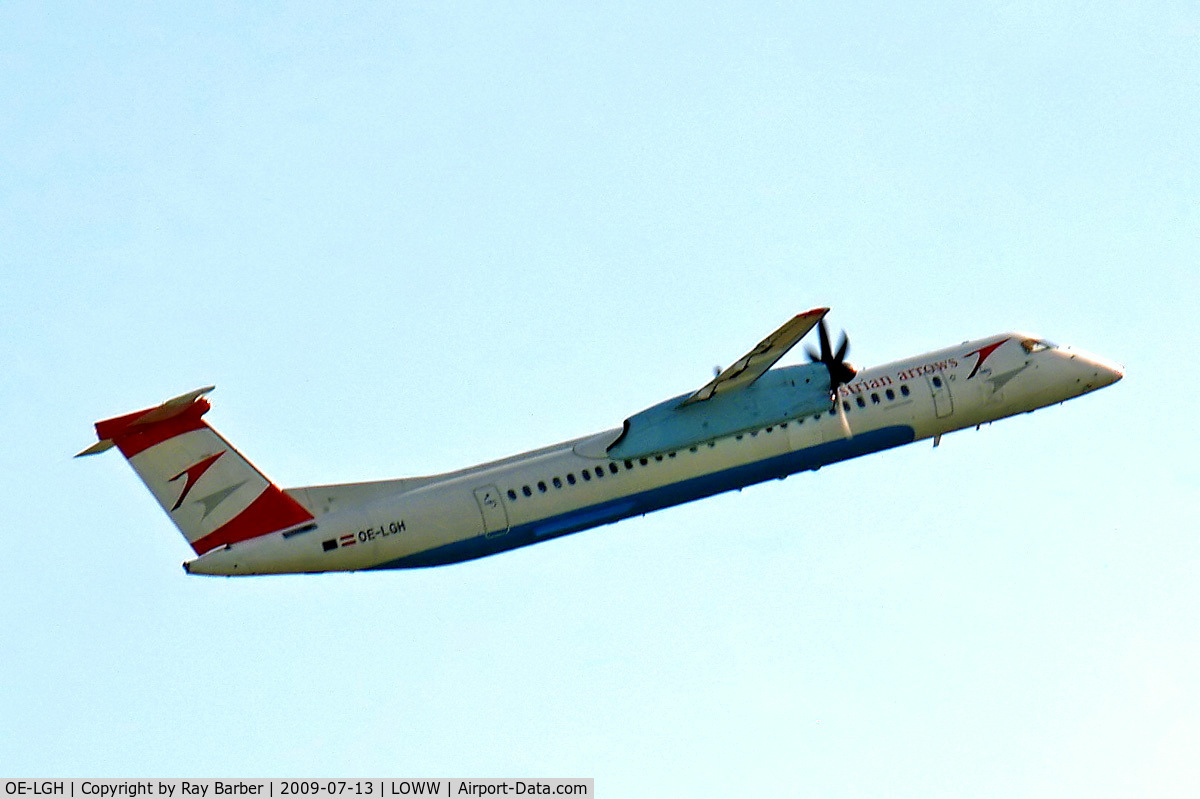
x: 1103, y: 371
x: 1109, y: 372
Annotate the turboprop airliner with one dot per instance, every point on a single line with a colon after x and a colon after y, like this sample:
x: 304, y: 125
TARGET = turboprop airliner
x: 749, y: 424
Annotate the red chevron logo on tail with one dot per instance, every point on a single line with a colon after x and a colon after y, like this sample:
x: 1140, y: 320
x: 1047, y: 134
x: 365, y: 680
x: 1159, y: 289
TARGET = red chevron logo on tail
x: 193, y: 474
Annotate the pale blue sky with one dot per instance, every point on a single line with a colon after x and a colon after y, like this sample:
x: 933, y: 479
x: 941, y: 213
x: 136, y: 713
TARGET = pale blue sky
x: 404, y: 238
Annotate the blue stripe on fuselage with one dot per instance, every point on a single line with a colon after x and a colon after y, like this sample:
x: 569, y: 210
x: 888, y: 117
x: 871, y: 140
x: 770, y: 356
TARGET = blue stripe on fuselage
x: 657, y: 498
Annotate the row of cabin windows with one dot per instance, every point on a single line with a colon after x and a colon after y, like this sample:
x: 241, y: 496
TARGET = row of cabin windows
x: 615, y: 468
x: 586, y: 475
x: 861, y: 401
x: 599, y: 471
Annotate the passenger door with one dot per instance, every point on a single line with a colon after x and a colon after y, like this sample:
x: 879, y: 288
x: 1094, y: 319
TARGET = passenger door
x: 491, y: 505
x: 943, y: 403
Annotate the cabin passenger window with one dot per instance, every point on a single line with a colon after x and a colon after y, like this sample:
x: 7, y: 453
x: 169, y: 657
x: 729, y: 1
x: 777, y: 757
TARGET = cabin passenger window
x: 512, y: 495
x: 557, y: 483
x: 904, y: 391
x: 937, y: 382
x: 571, y: 478
x: 875, y: 399
x: 586, y: 475
x: 643, y: 461
x: 628, y: 465
x: 612, y: 467
x: 862, y: 403
x: 526, y: 491
x: 599, y: 471
x: 891, y: 395
x: 542, y: 486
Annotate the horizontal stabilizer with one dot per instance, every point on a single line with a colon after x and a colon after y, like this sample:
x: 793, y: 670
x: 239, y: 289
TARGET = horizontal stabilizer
x: 95, y: 449
x: 173, y: 407
x: 132, y: 423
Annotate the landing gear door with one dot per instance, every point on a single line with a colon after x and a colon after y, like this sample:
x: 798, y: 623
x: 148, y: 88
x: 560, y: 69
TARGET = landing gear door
x: 491, y: 505
x: 943, y: 403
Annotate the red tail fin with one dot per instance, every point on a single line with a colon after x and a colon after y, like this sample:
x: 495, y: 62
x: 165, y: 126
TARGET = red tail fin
x: 212, y: 493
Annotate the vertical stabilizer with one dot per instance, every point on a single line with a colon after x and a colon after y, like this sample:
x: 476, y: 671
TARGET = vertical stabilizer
x: 212, y: 493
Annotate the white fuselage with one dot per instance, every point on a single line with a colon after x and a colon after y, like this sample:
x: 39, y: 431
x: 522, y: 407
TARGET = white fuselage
x: 575, y: 485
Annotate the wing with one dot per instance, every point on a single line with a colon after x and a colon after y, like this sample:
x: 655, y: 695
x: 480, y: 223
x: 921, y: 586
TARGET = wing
x: 750, y: 366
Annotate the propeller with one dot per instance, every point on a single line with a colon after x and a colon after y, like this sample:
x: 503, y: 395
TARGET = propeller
x: 840, y: 372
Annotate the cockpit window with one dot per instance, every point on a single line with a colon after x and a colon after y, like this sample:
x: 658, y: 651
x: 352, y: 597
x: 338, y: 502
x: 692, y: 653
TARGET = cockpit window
x: 1032, y: 345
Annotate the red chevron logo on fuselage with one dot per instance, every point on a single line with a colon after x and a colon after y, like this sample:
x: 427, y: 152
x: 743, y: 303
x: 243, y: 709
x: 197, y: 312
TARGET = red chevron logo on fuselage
x: 193, y: 473
x: 983, y: 353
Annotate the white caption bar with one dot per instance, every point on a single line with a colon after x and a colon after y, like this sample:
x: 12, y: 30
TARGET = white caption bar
x: 294, y: 789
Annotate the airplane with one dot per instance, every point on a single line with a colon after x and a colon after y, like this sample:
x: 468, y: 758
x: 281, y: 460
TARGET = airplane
x: 749, y: 424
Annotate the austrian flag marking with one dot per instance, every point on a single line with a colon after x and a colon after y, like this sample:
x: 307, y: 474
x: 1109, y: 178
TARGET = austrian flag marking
x: 331, y: 544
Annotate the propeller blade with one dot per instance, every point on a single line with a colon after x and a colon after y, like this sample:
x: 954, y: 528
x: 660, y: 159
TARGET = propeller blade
x: 841, y: 410
x: 843, y: 348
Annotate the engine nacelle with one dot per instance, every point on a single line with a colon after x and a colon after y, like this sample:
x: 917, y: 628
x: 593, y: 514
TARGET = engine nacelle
x: 778, y: 396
